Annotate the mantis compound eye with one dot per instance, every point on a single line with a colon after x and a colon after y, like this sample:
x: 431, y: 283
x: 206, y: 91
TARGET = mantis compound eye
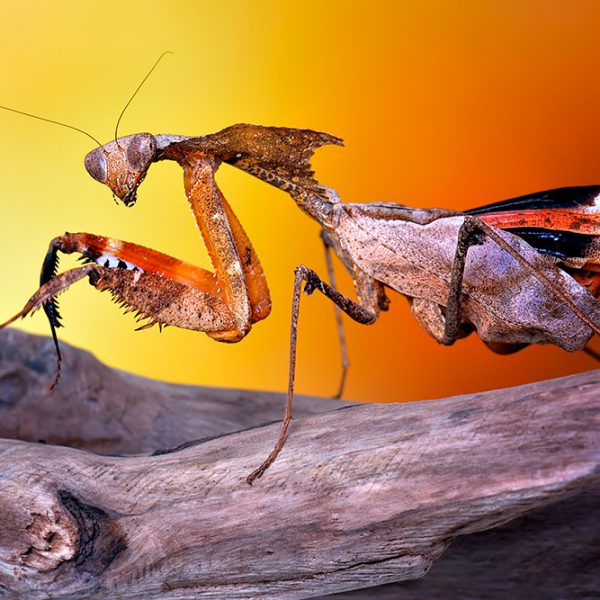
x: 141, y: 151
x: 95, y: 165
x: 122, y: 164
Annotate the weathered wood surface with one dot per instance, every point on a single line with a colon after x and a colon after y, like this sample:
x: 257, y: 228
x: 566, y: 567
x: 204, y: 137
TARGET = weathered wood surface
x: 107, y: 411
x: 359, y: 497
x: 551, y: 553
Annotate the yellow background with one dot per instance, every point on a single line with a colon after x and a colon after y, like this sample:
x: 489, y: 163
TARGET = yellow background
x: 450, y: 104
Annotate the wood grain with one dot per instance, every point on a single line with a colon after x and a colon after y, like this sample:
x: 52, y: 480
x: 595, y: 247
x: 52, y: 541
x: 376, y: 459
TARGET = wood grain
x: 362, y: 496
x: 107, y: 411
x: 552, y: 552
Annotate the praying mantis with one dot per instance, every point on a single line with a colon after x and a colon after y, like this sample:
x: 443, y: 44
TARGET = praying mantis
x: 510, y: 291
x: 537, y: 284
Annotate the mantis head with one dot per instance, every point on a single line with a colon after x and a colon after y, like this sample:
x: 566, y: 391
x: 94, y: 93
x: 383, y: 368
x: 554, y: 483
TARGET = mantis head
x: 122, y: 164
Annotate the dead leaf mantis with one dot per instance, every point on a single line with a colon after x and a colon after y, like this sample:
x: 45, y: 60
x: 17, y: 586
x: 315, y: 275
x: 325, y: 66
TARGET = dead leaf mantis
x: 510, y: 292
x: 163, y: 289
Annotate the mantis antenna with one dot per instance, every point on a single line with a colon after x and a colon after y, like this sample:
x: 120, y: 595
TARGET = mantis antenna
x: 22, y: 112
x: 100, y: 145
x: 138, y: 89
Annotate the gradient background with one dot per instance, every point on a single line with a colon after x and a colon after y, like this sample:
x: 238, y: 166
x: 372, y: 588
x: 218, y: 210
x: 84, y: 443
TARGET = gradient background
x: 440, y: 104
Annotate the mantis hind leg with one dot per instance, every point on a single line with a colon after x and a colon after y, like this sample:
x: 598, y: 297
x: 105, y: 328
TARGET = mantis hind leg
x: 338, y: 321
x: 473, y: 232
x: 468, y: 235
x: 371, y: 296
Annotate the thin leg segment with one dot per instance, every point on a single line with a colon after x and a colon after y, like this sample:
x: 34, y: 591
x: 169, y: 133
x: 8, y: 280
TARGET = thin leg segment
x: 591, y: 352
x: 472, y: 233
x: 352, y: 309
x: 338, y: 321
x: 370, y: 293
x: 468, y: 235
x: 45, y: 297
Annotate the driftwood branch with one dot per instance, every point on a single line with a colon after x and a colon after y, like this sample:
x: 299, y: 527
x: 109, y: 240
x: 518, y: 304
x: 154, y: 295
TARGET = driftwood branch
x: 367, y: 495
x: 107, y: 411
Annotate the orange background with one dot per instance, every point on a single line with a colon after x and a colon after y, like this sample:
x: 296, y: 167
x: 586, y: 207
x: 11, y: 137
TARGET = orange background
x: 440, y: 104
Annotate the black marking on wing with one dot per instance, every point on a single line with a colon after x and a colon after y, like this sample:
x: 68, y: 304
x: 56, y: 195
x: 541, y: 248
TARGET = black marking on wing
x: 566, y: 197
x: 561, y: 244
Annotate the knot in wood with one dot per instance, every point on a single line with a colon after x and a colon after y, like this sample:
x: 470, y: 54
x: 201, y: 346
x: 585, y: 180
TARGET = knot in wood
x: 53, y: 540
